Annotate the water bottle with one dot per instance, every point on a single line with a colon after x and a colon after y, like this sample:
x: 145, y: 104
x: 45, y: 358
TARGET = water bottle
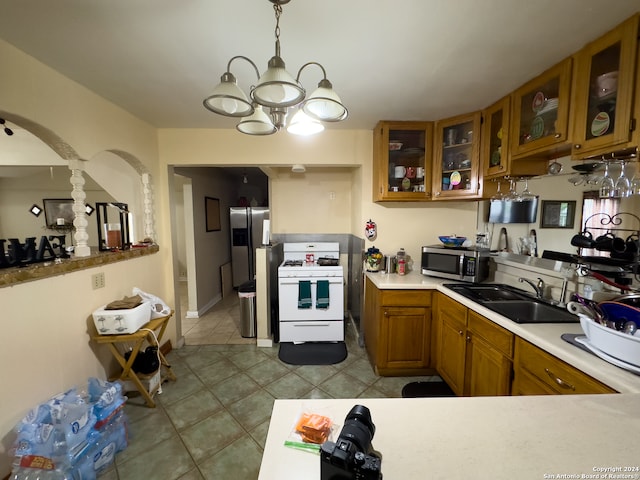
x: 402, y: 262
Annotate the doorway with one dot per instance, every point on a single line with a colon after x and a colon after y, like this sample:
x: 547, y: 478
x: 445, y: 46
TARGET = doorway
x: 209, y: 315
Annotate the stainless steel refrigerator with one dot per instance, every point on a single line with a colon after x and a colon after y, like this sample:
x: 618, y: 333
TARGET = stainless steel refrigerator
x: 247, y: 224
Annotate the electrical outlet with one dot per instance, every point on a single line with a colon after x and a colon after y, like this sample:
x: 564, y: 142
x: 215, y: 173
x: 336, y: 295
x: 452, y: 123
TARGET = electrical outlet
x: 97, y: 280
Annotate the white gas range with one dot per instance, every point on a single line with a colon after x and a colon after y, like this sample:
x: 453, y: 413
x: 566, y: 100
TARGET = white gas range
x: 311, y: 293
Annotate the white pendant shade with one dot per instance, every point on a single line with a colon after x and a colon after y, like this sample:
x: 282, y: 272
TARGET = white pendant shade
x: 303, y: 124
x: 276, y: 87
x: 257, y: 124
x: 228, y: 99
x: 325, y: 105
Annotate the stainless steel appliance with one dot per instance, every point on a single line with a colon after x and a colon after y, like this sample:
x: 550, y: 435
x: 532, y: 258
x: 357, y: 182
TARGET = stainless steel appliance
x: 464, y: 264
x: 246, y: 224
x: 311, y: 293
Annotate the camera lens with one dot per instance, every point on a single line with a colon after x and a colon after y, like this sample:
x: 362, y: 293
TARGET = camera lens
x: 359, y: 428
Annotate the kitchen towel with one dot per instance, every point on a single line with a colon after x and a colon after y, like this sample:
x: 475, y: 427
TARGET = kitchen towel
x: 304, y: 294
x: 322, y: 294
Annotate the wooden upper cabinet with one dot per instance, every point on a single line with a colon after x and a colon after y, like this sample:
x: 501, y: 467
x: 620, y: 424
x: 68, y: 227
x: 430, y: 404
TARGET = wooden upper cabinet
x: 540, y: 122
x: 495, y: 154
x: 603, y: 92
x: 402, y: 161
x: 456, y: 163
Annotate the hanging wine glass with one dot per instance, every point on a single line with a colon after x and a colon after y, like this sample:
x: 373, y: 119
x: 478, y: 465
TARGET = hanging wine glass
x: 526, y: 195
x: 607, y: 186
x: 622, y: 186
x: 513, y: 193
x: 635, y: 182
x: 499, y: 195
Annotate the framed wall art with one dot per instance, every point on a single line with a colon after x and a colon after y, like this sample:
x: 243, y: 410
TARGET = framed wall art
x: 212, y: 214
x: 58, y: 212
x: 558, y: 213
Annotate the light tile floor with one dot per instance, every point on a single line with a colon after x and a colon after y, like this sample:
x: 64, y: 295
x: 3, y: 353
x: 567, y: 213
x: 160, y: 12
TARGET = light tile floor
x: 218, y: 326
x: 212, y: 422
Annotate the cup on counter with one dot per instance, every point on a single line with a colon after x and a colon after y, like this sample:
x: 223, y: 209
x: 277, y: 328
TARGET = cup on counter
x: 400, y: 171
x: 390, y: 264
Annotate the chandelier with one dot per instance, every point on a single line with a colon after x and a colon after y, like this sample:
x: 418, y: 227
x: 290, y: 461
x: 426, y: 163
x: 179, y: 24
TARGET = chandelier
x: 276, y: 91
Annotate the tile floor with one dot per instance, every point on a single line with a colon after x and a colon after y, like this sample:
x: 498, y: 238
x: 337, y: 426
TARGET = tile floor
x: 218, y: 326
x: 212, y: 422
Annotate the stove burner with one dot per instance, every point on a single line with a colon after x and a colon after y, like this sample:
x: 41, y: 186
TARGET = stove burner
x: 292, y: 263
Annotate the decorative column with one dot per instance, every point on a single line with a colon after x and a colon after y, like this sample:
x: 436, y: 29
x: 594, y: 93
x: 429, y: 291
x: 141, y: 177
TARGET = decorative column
x: 78, y: 194
x: 148, y: 223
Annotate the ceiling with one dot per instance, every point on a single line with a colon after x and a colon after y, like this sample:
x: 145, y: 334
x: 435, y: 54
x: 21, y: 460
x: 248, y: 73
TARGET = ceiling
x: 387, y: 59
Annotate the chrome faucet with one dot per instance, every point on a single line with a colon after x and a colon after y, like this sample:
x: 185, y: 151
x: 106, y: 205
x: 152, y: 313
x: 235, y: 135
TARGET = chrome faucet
x: 538, y: 287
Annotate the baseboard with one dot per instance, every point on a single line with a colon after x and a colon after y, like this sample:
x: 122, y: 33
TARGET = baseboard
x: 201, y: 311
x: 264, y: 342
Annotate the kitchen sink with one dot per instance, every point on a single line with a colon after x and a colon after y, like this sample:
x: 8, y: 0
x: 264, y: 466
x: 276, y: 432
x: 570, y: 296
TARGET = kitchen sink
x: 513, y: 303
x: 489, y: 293
x: 531, y: 311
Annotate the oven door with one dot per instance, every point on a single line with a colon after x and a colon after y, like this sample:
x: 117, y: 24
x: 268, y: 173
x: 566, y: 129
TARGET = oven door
x: 288, y: 300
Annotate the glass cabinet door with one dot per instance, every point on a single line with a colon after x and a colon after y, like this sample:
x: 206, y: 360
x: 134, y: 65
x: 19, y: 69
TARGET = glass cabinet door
x: 495, y: 146
x: 402, y: 164
x: 541, y: 112
x: 603, y: 91
x: 456, y: 163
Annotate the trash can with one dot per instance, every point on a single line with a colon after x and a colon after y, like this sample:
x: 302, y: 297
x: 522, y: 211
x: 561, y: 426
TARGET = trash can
x: 247, y: 295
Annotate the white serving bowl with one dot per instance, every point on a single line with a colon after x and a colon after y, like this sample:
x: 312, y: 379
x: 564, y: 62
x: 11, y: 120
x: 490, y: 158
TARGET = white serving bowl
x: 616, y: 344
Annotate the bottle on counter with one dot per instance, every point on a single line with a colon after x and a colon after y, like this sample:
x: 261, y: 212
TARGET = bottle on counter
x: 402, y: 262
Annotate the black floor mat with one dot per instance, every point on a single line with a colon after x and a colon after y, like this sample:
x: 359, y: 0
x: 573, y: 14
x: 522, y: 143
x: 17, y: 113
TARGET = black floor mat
x: 427, y: 389
x: 312, y: 353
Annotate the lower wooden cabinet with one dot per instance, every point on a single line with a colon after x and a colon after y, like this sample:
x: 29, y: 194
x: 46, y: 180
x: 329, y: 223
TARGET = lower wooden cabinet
x: 397, y: 330
x: 488, y: 358
x: 451, y: 326
x: 537, y: 372
x: 474, y: 355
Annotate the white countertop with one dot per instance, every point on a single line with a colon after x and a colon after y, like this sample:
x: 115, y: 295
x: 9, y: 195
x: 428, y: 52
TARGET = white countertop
x: 545, y: 336
x: 481, y: 437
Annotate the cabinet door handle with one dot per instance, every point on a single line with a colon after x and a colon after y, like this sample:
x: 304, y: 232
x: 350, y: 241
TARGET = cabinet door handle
x: 386, y: 314
x: 557, y: 135
x: 468, y: 339
x: 577, y: 146
x: 460, y: 332
x: 561, y: 383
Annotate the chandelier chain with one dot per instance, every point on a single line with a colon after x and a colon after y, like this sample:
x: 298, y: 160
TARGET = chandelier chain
x: 278, y: 9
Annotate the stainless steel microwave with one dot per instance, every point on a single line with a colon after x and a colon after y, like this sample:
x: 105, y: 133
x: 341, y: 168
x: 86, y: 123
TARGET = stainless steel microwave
x: 464, y: 264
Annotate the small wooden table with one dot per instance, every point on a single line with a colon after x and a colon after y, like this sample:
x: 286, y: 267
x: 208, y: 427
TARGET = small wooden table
x: 156, y: 325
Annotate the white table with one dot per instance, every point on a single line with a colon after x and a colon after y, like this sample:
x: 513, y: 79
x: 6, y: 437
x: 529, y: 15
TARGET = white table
x: 481, y: 437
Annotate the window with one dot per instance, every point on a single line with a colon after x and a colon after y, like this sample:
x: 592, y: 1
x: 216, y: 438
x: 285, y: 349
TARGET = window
x: 596, y: 212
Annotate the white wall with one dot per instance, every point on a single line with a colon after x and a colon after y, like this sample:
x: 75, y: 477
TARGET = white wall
x: 44, y: 345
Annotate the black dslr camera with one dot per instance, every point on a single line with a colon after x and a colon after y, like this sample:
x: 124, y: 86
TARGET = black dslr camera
x: 352, y: 455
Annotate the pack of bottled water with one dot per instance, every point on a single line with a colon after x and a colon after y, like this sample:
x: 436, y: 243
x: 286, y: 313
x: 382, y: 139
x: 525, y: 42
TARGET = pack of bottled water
x: 73, y: 436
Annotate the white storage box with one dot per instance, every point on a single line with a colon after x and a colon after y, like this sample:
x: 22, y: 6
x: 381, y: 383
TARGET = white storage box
x: 120, y: 322
x: 621, y: 346
x: 150, y: 382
